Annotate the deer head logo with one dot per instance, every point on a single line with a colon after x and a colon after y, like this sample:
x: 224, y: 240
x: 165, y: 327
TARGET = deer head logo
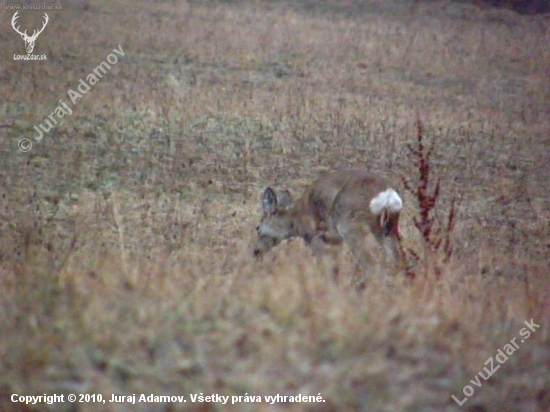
x: 29, y: 40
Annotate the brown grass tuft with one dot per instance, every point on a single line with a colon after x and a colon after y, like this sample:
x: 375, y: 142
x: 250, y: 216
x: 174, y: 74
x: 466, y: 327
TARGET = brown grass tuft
x: 125, y: 265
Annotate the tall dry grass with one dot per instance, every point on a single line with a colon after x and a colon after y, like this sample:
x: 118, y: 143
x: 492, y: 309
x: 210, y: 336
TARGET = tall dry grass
x: 125, y: 233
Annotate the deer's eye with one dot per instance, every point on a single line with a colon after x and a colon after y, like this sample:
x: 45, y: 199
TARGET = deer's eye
x: 257, y: 228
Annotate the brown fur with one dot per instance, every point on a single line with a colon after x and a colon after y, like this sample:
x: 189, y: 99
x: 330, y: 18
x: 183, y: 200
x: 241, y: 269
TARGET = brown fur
x: 334, y: 209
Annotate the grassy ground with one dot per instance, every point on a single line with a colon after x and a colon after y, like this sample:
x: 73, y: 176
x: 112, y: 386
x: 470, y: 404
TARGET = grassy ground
x: 125, y: 234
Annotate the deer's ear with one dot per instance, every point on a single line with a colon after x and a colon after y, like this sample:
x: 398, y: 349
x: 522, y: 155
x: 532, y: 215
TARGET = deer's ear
x: 269, y: 201
x: 285, y: 200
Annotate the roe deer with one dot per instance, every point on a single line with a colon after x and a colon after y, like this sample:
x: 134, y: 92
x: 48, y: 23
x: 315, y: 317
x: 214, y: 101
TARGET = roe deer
x: 358, y: 208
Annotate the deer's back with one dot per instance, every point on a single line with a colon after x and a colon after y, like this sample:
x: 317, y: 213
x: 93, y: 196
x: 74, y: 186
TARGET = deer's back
x: 353, y: 200
x: 333, y: 194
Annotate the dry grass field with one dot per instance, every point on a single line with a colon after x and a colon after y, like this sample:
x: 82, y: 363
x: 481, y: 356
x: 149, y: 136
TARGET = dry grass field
x: 126, y: 233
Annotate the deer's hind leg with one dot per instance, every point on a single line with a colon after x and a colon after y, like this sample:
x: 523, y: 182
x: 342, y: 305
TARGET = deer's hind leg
x: 322, y: 244
x: 363, y: 245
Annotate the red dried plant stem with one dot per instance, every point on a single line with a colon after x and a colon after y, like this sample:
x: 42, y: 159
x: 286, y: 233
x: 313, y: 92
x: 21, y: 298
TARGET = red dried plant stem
x: 436, y: 236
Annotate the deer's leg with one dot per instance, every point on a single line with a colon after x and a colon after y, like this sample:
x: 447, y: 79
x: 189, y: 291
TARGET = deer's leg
x: 364, y: 245
x: 390, y: 245
x: 319, y: 242
x: 361, y: 246
x: 319, y: 245
x: 387, y: 245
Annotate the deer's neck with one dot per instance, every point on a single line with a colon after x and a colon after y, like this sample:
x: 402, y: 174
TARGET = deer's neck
x: 302, y: 223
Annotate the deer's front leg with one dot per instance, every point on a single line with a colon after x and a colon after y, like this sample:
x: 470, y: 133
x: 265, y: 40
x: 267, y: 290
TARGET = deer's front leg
x: 318, y: 242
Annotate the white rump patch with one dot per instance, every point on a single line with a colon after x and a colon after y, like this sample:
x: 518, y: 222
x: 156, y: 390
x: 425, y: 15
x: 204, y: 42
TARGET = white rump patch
x: 388, y: 199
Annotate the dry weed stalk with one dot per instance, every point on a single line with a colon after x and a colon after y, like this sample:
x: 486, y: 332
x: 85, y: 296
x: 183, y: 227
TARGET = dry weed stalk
x: 436, y: 234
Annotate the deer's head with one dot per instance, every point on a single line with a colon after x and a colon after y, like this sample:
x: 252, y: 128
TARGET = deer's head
x: 276, y: 224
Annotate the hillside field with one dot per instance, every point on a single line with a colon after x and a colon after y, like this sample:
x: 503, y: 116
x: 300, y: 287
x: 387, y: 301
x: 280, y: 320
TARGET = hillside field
x: 127, y: 230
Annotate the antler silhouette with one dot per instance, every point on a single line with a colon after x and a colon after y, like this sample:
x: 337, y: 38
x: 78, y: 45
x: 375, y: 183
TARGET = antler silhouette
x: 29, y: 40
